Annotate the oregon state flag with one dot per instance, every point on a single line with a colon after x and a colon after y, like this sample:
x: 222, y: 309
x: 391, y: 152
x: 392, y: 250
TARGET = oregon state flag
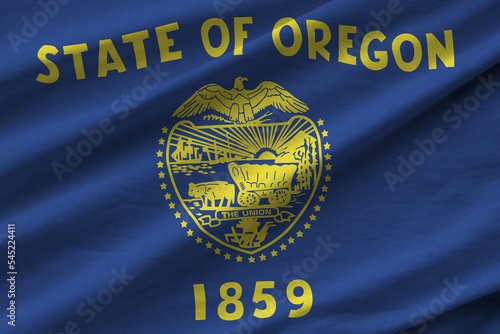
x: 235, y: 166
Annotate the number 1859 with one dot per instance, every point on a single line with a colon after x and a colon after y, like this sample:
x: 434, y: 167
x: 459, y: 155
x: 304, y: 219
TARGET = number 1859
x: 231, y: 292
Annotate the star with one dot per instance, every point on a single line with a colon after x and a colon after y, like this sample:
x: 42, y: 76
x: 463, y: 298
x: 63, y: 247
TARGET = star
x: 164, y: 129
x: 171, y: 205
x: 283, y: 247
x: 262, y: 257
x: 161, y: 175
x: 317, y: 208
x: 208, y: 244
x: 327, y: 146
x: 163, y: 186
x: 321, y: 198
x: 320, y: 122
x: 168, y: 196
x: 328, y: 167
x: 299, y: 234
x: 324, y: 189
x: 199, y: 240
x: 312, y: 217
x: 227, y: 256
x: 159, y: 154
x: 239, y: 258
x: 251, y: 259
x: 184, y: 223
x: 177, y: 214
x: 307, y: 226
x: 324, y: 133
x: 217, y: 251
x: 159, y: 164
x: 328, y: 178
x: 161, y: 141
x: 190, y: 233
x: 291, y: 240
x: 274, y: 253
x: 328, y: 157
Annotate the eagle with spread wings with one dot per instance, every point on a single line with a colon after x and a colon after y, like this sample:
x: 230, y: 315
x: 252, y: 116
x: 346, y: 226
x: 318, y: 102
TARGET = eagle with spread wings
x: 240, y: 104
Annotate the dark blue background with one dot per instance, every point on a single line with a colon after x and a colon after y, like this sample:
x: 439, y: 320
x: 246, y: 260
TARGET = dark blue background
x: 396, y: 248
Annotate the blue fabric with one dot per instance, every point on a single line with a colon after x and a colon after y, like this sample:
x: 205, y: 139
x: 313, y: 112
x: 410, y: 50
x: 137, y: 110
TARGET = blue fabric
x: 405, y: 240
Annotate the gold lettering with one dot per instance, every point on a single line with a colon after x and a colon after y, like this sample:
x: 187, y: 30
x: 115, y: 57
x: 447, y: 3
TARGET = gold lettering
x: 381, y: 56
x: 417, y: 54
x: 77, y: 50
x: 103, y: 67
x: 345, y: 44
x: 318, y: 46
x: 53, y: 70
x: 436, y: 49
x: 297, y: 37
x: 137, y: 40
x: 165, y: 43
x: 205, y: 28
x: 240, y: 34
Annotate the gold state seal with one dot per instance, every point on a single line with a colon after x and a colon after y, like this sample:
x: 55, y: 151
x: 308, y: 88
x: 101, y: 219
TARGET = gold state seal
x: 243, y: 178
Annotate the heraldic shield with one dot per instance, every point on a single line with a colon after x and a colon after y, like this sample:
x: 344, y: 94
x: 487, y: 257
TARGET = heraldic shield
x: 245, y: 182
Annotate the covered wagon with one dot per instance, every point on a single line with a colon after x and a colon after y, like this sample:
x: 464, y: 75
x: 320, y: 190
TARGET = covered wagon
x: 256, y: 181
